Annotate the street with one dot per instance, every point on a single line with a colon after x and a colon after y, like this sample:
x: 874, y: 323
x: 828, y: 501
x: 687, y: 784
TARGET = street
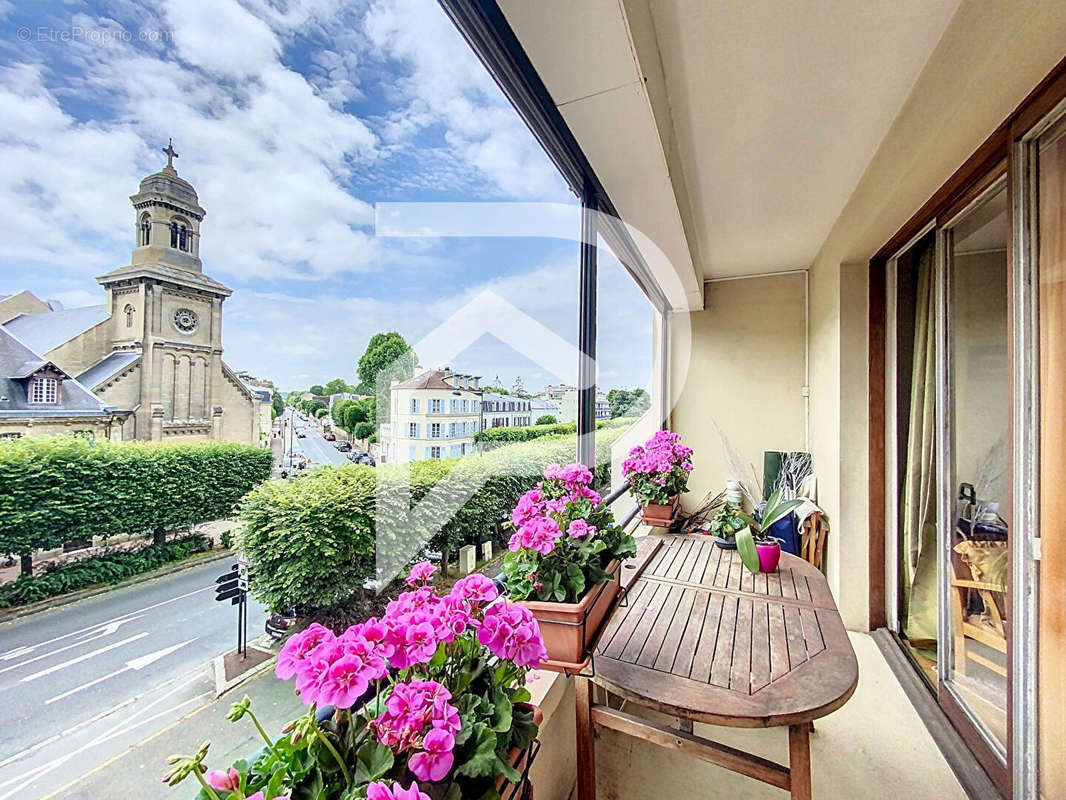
x: 313, y: 446
x: 81, y: 683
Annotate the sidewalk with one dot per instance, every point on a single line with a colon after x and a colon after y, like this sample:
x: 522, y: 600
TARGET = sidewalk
x: 137, y: 772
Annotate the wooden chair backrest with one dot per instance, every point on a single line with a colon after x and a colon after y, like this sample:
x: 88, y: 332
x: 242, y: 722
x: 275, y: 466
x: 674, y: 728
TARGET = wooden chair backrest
x: 812, y: 540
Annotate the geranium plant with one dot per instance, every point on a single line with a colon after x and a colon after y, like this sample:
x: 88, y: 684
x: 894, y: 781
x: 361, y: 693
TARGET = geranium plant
x: 658, y: 470
x: 423, y: 704
x: 564, y: 538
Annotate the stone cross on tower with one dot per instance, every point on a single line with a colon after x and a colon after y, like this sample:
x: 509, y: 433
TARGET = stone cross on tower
x: 171, y: 153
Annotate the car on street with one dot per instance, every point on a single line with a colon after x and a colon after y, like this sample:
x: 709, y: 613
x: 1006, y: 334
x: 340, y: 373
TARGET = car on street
x: 343, y: 446
x: 355, y: 458
x: 301, y: 435
x: 330, y: 437
x: 367, y: 459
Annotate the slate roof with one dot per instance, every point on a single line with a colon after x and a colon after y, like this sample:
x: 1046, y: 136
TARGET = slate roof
x: 109, y: 366
x: 47, y: 330
x: 15, y: 356
x: 431, y: 379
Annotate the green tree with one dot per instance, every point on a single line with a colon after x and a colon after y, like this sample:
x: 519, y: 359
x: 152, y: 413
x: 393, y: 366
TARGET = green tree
x: 338, y: 386
x: 321, y: 412
x: 628, y: 403
x: 386, y: 351
x: 277, y: 405
x: 495, y: 390
x: 336, y: 412
x: 546, y: 419
x: 318, y: 389
x: 314, y: 406
x: 364, y: 430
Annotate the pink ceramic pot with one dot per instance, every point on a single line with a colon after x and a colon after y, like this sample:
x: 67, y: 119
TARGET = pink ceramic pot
x: 769, y: 555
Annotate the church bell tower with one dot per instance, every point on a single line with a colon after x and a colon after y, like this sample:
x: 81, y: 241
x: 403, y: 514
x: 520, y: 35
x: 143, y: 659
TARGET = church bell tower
x: 168, y: 217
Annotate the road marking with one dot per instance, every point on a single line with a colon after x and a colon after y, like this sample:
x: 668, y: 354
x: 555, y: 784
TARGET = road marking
x: 81, y: 658
x: 136, y: 663
x: 20, y: 651
x: 106, y: 631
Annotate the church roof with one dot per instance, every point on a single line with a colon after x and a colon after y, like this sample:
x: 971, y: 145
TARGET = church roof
x: 107, y: 367
x: 178, y: 275
x: 47, y: 330
x: 17, y: 362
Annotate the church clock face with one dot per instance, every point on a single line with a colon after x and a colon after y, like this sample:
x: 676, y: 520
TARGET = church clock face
x: 185, y: 320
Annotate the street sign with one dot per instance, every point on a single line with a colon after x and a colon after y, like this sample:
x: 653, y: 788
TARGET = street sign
x: 233, y: 586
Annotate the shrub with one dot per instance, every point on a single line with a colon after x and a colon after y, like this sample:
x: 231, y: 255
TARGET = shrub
x: 60, y: 489
x: 548, y: 419
x: 313, y: 541
x: 57, y: 579
x: 524, y: 434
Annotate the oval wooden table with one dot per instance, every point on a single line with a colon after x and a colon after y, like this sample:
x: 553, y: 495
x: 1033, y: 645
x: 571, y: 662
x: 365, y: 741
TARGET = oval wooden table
x: 703, y: 640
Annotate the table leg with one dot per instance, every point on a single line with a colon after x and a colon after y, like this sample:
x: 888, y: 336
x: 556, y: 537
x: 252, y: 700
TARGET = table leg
x: 586, y: 741
x: 799, y: 760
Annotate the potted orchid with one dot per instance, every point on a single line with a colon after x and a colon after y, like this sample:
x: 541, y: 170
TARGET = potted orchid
x: 427, y: 703
x: 658, y: 474
x: 760, y: 551
x: 564, y: 559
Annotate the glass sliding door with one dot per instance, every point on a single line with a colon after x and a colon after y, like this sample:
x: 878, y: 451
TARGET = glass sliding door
x: 975, y: 490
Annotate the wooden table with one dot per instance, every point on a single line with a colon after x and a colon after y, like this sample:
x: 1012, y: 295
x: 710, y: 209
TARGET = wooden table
x: 703, y: 640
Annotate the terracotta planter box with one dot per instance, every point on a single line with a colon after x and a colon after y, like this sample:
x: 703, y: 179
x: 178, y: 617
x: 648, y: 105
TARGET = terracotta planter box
x: 565, y: 638
x: 660, y: 515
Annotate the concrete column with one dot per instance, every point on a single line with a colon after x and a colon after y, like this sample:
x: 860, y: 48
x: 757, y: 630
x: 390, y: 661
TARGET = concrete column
x: 486, y: 551
x: 467, y: 559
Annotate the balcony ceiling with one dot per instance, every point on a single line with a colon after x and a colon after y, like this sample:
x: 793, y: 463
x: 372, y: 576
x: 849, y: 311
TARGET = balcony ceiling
x: 731, y: 132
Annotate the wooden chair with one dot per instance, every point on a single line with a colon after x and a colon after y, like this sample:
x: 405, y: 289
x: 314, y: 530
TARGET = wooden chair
x: 812, y: 539
x: 989, y: 631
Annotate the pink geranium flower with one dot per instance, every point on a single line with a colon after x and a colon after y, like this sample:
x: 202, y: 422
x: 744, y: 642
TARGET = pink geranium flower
x: 421, y: 573
x: 379, y: 791
x: 226, y: 781
x: 435, y: 760
x: 299, y: 647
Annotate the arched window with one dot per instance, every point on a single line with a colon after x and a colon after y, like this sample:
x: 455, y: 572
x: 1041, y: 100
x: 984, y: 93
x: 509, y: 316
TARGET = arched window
x: 128, y: 310
x: 174, y: 234
x: 183, y: 238
x: 146, y: 230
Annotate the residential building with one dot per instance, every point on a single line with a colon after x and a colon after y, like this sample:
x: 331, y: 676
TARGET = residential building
x: 153, y: 349
x: 851, y: 230
x: 435, y: 414
x: 505, y: 411
x: 539, y: 407
x: 333, y: 398
x: 565, y: 399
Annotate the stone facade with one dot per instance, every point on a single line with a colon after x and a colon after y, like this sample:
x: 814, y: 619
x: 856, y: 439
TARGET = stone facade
x: 434, y: 415
x: 153, y: 351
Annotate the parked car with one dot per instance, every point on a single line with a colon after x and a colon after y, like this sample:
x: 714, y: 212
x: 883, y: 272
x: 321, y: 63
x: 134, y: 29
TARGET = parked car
x: 343, y: 446
x: 330, y: 437
x: 365, y: 458
x: 301, y: 435
x: 355, y: 458
x: 277, y: 625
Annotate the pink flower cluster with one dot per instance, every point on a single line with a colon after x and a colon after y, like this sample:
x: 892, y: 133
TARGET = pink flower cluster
x: 379, y: 791
x: 540, y: 516
x: 511, y: 633
x: 410, y: 710
x: 335, y: 670
x: 658, y: 457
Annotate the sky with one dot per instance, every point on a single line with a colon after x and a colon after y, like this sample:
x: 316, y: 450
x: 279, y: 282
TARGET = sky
x: 292, y: 120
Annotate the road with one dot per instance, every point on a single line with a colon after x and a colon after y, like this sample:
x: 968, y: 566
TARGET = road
x: 312, y: 445
x: 81, y: 683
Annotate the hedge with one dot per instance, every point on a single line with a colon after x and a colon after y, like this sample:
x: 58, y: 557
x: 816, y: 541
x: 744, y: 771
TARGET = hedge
x: 313, y: 540
x: 60, y: 489
x: 60, y: 578
x: 527, y: 433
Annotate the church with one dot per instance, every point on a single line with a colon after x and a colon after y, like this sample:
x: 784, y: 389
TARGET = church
x: 146, y: 365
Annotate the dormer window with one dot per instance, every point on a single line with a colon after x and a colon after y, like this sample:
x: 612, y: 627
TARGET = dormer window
x: 44, y: 390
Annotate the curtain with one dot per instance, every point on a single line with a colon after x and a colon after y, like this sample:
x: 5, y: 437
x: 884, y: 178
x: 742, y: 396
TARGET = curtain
x: 918, y: 507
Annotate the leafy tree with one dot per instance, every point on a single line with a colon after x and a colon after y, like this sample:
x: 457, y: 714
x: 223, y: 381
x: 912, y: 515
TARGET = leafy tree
x: 546, y: 419
x: 338, y: 386
x: 321, y: 412
x: 628, y: 403
x: 318, y: 389
x: 277, y: 405
x: 336, y: 412
x: 386, y: 351
x: 496, y: 390
x: 314, y: 406
x: 364, y: 430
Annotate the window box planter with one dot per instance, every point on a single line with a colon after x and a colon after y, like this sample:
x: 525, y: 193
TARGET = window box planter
x: 660, y: 515
x: 568, y: 628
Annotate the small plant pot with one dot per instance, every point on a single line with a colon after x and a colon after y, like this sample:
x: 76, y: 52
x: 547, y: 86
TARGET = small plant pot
x: 660, y: 515
x: 726, y: 544
x: 769, y: 555
x: 567, y: 628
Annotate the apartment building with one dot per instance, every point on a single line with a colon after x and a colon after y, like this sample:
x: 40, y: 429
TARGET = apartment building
x: 435, y: 414
x: 506, y: 411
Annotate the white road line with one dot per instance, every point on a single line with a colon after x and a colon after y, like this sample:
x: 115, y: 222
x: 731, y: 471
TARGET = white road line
x: 20, y: 651
x: 136, y: 664
x: 81, y: 658
x: 107, y: 631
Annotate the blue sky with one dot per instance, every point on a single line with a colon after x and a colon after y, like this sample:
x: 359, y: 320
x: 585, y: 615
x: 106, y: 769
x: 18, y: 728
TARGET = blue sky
x: 292, y: 121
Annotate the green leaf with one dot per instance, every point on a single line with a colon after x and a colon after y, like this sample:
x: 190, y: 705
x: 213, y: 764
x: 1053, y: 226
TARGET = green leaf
x: 482, y: 761
x: 501, y: 715
x: 746, y: 549
x: 504, y: 768
x: 372, y: 761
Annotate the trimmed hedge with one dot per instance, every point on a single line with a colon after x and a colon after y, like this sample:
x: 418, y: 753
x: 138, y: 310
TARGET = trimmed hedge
x: 60, y: 578
x: 530, y: 432
x: 314, y: 540
x: 60, y: 489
